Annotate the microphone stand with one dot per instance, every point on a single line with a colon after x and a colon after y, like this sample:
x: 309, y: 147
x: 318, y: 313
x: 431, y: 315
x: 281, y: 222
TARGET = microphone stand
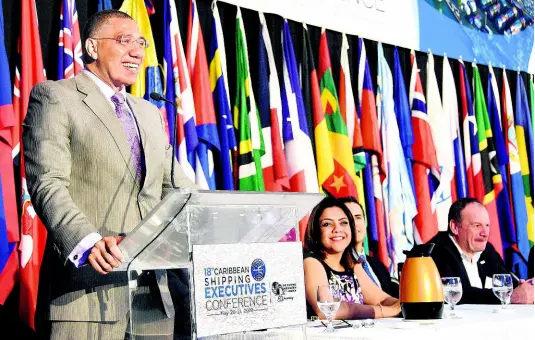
x: 173, y: 146
x: 158, y: 97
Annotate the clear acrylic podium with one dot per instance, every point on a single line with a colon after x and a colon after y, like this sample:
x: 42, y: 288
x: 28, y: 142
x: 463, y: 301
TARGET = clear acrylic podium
x: 157, y: 252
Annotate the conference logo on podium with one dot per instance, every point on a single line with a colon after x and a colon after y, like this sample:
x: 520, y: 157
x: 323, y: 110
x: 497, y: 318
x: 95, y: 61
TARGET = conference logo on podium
x: 242, y: 287
x: 236, y: 290
x: 258, y: 269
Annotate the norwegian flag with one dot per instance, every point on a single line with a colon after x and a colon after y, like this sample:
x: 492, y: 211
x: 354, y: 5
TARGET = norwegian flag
x: 29, y: 72
x: 425, y: 159
x: 70, y: 46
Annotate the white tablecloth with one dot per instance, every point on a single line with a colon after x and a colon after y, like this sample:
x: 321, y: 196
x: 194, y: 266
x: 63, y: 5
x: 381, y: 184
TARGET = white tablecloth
x: 517, y: 323
x: 476, y: 322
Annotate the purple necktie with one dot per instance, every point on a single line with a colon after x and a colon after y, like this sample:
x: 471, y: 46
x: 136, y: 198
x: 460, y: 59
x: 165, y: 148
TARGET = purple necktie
x: 130, y: 130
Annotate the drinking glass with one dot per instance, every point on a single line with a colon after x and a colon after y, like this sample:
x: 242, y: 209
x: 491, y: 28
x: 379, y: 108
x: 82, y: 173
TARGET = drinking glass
x: 502, y: 286
x: 453, y: 291
x: 328, y: 300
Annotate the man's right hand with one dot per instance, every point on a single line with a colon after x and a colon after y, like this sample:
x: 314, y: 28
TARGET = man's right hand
x: 523, y: 293
x: 105, y: 255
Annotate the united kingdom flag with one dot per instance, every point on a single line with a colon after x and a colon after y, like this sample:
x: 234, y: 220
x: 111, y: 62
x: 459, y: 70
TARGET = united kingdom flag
x: 70, y: 46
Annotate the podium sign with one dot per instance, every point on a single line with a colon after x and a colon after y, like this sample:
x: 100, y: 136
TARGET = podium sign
x: 247, y: 269
x: 243, y: 287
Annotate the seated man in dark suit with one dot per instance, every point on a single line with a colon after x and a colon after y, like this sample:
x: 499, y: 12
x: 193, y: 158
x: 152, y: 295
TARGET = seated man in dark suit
x: 375, y: 269
x: 463, y: 251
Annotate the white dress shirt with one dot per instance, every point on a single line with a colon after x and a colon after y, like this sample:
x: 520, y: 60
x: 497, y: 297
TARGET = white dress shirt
x: 470, y: 266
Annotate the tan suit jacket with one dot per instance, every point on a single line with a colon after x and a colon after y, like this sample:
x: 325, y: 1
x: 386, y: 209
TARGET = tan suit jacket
x: 81, y: 179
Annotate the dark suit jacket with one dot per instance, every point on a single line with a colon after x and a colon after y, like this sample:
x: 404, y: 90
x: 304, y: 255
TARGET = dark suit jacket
x: 449, y: 263
x: 388, y: 284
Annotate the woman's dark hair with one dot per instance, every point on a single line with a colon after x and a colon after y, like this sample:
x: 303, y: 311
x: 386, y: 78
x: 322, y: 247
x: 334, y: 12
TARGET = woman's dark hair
x: 313, y: 233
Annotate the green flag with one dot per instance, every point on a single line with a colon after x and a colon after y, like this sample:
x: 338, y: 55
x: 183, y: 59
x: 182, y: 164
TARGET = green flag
x: 492, y: 178
x: 246, y: 119
x: 336, y: 167
x: 489, y: 163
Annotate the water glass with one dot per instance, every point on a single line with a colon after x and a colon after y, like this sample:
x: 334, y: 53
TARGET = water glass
x: 453, y: 291
x: 502, y: 286
x: 328, y: 300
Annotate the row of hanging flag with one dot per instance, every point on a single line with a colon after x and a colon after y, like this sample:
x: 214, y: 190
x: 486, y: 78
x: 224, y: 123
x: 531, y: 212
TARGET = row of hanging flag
x: 404, y: 153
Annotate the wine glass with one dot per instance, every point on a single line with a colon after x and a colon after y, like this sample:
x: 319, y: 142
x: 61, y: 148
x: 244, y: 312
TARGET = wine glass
x: 502, y: 286
x: 453, y: 291
x: 328, y: 300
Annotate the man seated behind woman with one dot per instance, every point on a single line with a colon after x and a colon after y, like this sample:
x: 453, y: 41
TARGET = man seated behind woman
x: 375, y: 269
x: 329, y: 243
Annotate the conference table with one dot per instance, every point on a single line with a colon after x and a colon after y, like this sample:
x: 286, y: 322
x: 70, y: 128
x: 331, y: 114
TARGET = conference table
x: 473, y: 321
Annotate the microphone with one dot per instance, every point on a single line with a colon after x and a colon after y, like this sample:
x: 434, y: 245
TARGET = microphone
x: 158, y: 97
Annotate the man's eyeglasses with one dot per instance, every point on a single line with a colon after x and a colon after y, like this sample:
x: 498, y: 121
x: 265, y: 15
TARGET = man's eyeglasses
x: 128, y: 40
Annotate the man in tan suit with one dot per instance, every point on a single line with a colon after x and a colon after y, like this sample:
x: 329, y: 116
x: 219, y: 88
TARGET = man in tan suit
x: 97, y: 161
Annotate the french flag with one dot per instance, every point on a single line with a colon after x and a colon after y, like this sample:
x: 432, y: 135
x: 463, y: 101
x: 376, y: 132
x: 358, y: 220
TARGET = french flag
x: 297, y: 143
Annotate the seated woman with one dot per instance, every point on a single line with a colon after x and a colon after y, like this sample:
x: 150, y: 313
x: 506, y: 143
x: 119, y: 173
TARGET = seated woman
x: 329, y: 242
x: 375, y: 269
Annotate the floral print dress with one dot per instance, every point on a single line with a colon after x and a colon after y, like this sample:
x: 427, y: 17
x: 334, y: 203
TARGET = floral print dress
x: 350, y: 290
x: 349, y: 285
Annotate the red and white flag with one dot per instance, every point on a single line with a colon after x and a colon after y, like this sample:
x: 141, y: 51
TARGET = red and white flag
x: 425, y: 159
x: 29, y: 72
